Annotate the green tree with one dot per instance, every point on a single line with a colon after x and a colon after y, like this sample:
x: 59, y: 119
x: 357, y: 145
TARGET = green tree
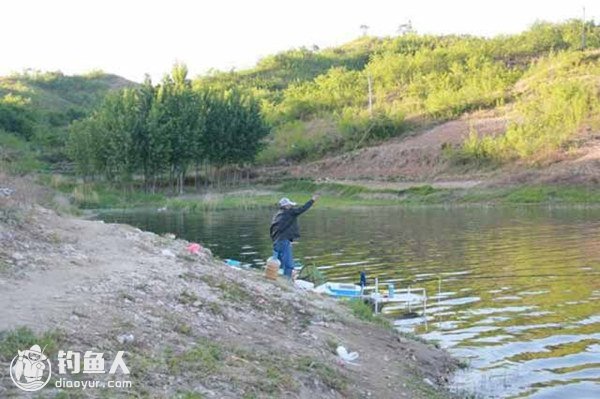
x: 142, y: 144
x: 16, y: 116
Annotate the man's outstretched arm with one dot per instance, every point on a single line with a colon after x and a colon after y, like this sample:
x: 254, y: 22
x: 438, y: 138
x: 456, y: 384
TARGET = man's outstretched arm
x: 305, y: 207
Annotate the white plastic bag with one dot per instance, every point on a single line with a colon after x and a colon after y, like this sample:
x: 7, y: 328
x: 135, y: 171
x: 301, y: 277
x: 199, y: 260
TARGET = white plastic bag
x: 345, y: 356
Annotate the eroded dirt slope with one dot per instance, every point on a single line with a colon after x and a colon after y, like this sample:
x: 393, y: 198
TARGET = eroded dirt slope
x: 416, y: 157
x: 420, y: 158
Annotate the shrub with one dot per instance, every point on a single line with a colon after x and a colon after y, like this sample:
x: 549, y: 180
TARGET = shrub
x: 359, y: 128
x: 364, y: 312
x: 313, y: 274
x: 85, y: 196
x: 299, y: 140
x: 557, y: 96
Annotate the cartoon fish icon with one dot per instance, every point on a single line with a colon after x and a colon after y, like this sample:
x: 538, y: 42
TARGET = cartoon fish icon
x: 18, y: 367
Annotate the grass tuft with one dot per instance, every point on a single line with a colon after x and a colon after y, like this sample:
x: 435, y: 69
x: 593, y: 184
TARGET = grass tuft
x: 23, y: 338
x: 364, y: 311
x: 329, y: 376
x: 203, y: 359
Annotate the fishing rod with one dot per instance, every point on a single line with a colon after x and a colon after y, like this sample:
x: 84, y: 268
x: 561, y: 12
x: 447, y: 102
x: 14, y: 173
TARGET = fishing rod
x: 366, y: 267
x: 510, y: 276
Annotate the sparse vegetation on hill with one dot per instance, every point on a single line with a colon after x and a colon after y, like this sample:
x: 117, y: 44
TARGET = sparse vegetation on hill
x: 36, y: 109
x: 559, y: 94
x: 318, y: 99
x: 275, y: 73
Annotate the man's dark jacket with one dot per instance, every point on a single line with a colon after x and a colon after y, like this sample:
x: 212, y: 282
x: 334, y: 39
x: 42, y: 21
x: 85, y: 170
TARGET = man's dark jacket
x: 284, y: 225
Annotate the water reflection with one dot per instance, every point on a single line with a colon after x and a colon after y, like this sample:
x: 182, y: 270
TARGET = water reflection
x: 518, y: 294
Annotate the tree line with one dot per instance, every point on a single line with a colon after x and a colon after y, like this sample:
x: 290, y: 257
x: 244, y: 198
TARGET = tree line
x: 162, y: 132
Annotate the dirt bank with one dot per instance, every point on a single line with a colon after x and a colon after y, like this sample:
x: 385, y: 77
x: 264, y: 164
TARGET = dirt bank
x: 419, y: 157
x: 190, y: 325
x: 416, y: 157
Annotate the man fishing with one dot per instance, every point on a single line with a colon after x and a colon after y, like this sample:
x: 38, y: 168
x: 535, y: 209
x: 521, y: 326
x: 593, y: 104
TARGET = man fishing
x: 284, y: 230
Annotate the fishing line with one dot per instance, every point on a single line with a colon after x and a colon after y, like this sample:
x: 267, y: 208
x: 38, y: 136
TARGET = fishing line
x: 466, y: 277
x: 505, y: 276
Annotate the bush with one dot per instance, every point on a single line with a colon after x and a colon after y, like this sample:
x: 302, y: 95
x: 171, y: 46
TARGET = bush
x: 313, y: 274
x: 557, y: 96
x: 335, y: 90
x: 299, y: 140
x: 16, y: 116
x: 363, y: 311
x: 85, y: 196
x: 18, y: 156
x: 359, y: 128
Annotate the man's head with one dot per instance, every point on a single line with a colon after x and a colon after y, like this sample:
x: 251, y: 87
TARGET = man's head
x: 286, y: 203
x: 35, y: 354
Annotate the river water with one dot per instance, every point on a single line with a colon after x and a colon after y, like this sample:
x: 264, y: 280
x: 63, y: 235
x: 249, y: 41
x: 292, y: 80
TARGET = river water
x: 515, y: 292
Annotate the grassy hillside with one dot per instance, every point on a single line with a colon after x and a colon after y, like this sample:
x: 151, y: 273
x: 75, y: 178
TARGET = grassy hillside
x: 275, y: 73
x: 36, y: 109
x: 317, y: 99
x: 553, y: 101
